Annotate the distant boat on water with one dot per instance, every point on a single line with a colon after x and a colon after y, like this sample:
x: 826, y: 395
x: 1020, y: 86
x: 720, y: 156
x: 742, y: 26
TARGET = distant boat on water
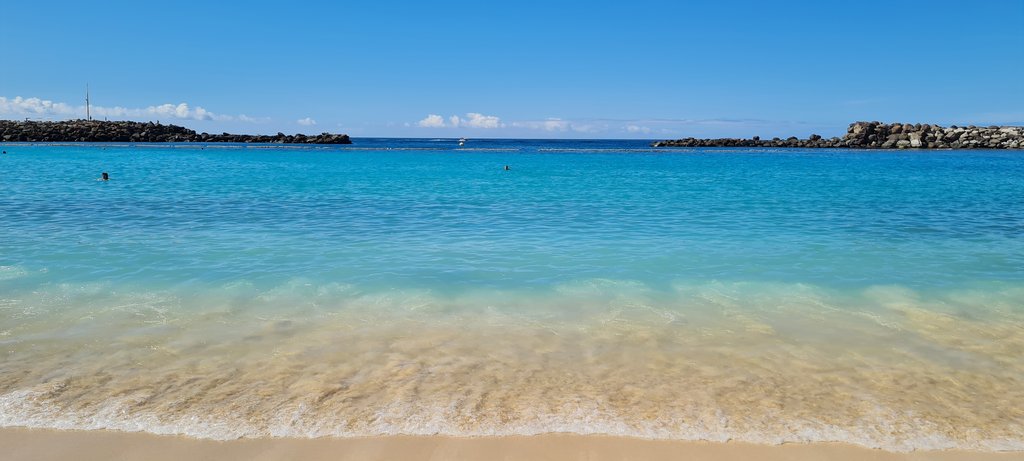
x: 462, y: 142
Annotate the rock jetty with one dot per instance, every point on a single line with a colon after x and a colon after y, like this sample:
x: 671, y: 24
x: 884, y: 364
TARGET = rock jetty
x: 876, y: 135
x: 122, y: 131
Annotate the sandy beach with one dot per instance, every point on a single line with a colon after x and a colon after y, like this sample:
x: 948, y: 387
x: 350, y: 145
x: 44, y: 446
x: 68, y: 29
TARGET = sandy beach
x: 41, y: 445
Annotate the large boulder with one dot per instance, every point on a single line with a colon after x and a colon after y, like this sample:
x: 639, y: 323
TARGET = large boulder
x: 915, y: 140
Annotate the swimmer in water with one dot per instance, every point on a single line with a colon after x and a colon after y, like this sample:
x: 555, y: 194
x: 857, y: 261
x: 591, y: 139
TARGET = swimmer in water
x: 507, y: 168
x: 105, y: 177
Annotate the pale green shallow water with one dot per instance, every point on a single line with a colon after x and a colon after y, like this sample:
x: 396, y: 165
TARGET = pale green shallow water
x: 401, y: 286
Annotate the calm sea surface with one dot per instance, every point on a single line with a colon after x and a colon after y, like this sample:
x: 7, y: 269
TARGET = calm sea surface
x: 412, y: 287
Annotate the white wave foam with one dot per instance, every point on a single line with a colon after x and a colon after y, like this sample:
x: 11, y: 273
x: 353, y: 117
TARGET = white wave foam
x: 27, y: 408
x: 883, y: 367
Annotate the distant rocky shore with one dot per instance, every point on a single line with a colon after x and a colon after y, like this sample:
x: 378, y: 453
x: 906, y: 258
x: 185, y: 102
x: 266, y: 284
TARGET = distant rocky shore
x: 122, y: 131
x: 876, y: 135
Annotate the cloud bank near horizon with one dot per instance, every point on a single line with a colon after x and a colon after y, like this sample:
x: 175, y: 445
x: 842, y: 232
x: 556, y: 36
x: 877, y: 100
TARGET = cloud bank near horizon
x: 44, y: 108
x: 435, y: 123
x: 471, y: 120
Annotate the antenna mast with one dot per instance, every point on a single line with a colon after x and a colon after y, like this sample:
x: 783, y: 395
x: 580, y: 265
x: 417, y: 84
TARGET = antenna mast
x: 88, y: 116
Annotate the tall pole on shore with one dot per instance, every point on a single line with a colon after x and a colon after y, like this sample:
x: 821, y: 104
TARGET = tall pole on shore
x: 88, y: 116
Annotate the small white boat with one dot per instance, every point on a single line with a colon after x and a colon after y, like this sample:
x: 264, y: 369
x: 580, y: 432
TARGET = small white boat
x: 462, y: 142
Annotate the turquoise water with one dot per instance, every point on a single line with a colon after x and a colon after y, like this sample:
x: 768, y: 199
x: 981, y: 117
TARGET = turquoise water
x: 405, y: 286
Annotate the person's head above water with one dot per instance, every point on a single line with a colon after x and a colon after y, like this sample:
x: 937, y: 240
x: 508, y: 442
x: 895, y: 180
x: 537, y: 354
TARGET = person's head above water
x: 507, y: 168
x: 105, y: 177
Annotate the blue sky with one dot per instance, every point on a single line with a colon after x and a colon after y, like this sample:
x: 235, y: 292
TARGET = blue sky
x: 587, y: 69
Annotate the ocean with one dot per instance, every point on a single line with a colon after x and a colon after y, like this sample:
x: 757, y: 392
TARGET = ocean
x: 408, y: 286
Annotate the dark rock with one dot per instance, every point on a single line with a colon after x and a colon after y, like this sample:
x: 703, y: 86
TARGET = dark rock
x: 124, y: 131
x: 876, y: 135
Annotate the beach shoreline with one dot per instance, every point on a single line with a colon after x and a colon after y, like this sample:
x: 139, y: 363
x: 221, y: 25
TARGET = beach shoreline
x: 810, y: 300
x: 48, y: 444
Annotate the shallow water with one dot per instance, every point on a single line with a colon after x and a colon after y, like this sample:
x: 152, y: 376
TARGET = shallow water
x: 403, y: 286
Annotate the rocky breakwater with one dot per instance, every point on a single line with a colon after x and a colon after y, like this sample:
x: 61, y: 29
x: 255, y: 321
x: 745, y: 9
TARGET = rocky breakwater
x: 876, y: 135
x: 104, y: 131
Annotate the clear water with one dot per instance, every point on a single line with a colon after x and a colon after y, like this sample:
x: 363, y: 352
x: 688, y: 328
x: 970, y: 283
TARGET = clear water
x: 406, y: 286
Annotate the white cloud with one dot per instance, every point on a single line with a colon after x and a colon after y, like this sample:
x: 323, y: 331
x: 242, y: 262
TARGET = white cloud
x: 559, y: 125
x: 36, y: 107
x: 472, y: 120
x: 476, y: 120
x: 555, y: 125
x: 551, y: 124
x: 589, y: 127
x: 180, y: 111
x: 33, y: 106
x: 306, y: 121
x: 432, y: 121
x: 248, y: 119
x: 544, y: 125
x: 630, y: 128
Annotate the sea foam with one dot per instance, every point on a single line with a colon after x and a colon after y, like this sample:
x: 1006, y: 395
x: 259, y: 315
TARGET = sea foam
x: 884, y: 367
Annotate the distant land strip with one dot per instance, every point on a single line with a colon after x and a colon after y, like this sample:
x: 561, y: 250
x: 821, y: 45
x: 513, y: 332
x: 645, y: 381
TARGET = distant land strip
x: 124, y: 131
x: 876, y: 135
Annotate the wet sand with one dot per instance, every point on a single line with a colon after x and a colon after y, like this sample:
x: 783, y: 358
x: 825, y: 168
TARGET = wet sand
x: 892, y: 372
x: 40, y: 445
